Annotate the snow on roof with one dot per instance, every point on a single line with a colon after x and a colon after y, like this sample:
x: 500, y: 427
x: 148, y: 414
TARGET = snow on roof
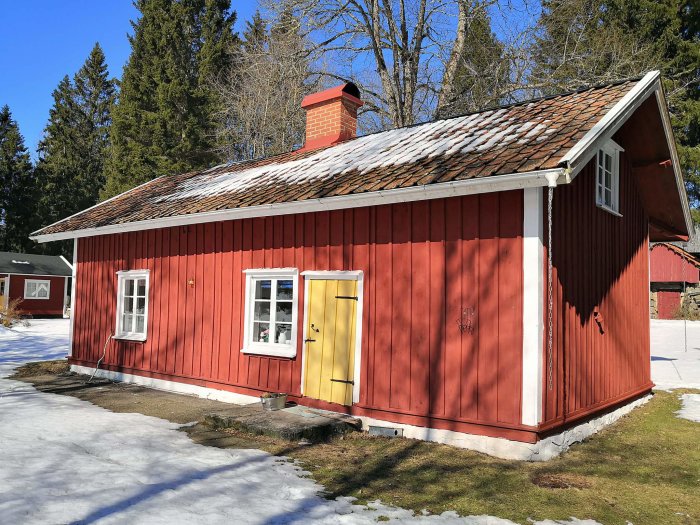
x: 462, y: 135
x: 512, y: 139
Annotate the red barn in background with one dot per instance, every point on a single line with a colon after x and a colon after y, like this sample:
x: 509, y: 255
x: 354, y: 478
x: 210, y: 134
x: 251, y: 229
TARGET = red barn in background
x: 673, y: 273
x: 41, y: 282
x: 402, y: 277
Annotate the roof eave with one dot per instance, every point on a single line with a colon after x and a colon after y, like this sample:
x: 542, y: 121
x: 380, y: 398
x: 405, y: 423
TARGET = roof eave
x: 578, y: 156
x: 512, y: 181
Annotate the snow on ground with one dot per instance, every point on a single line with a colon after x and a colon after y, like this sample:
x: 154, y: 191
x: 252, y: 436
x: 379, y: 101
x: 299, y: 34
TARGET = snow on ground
x: 68, y: 461
x: 675, y: 354
x: 690, y: 408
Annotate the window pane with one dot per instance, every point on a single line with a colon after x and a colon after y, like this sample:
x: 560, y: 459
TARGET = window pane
x: 141, y: 305
x: 608, y: 197
x: 608, y: 180
x: 283, y: 333
x: 285, y: 290
x: 261, y: 332
x: 608, y: 163
x: 127, y: 323
x: 42, y: 291
x: 284, y: 312
x: 142, y: 287
x: 140, y: 324
x: 129, y: 287
x: 599, y: 194
x: 262, y: 311
x: 128, y: 305
x: 262, y: 289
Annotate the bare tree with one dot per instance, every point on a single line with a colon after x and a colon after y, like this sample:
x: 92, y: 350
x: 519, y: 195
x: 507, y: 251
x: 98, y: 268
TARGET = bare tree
x: 405, y: 55
x: 260, y: 114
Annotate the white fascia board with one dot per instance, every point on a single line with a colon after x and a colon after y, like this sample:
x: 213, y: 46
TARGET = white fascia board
x: 32, y: 236
x: 66, y: 261
x: 513, y: 181
x: 675, y: 161
x: 578, y: 156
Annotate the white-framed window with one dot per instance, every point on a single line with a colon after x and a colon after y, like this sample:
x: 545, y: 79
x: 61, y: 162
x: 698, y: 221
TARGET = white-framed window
x: 607, y: 188
x: 37, y: 289
x: 132, y: 305
x: 271, y: 312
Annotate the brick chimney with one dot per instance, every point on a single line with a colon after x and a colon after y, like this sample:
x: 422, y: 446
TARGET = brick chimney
x: 331, y: 116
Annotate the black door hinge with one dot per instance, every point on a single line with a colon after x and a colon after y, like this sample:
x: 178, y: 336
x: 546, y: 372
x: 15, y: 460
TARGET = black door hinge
x: 343, y: 381
x: 346, y: 297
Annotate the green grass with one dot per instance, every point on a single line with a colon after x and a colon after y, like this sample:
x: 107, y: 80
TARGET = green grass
x: 644, y: 469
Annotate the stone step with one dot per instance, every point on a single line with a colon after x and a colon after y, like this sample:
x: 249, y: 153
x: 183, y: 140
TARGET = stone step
x: 293, y: 423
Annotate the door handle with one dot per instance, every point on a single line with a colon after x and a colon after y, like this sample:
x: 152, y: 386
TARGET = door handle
x: 309, y: 340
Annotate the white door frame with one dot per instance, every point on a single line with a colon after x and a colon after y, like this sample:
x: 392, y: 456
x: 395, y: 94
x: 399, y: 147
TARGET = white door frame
x: 337, y: 275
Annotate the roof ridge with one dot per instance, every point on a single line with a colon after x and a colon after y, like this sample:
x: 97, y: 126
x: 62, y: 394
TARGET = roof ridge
x: 582, y: 89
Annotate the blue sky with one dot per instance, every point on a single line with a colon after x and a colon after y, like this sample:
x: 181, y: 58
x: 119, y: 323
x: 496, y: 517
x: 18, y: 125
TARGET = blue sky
x: 43, y: 40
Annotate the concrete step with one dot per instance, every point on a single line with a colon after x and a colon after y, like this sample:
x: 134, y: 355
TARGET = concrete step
x: 293, y: 423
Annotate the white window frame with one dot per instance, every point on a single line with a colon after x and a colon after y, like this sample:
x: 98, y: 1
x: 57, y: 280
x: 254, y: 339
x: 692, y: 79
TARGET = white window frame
x: 122, y: 277
x: 288, y: 349
x: 37, y: 282
x: 612, y: 150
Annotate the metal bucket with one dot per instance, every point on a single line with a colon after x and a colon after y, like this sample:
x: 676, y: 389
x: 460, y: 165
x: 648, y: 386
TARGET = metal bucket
x: 277, y: 402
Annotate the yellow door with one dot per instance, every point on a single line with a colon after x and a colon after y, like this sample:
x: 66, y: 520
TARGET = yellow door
x: 330, y: 340
x: 4, y: 292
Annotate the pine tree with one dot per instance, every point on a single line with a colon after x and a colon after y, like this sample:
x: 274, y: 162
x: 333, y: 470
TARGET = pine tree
x: 163, y: 122
x: 17, y: 188
x: 584, y: 42
x: 70, y: 168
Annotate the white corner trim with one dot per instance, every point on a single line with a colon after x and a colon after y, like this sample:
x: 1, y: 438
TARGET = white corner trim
x: 74, y: 270
x: 473, y: 186
x: 533, y: 307
x: 578, y: 156
x: 169, y: 386
x: 543, y: 450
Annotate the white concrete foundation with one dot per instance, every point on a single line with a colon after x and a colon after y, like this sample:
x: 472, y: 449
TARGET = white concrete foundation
x: 543, y: 450
x: 170, y: 386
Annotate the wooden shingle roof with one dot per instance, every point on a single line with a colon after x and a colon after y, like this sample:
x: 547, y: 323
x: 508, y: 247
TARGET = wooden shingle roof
x: 519, y: 138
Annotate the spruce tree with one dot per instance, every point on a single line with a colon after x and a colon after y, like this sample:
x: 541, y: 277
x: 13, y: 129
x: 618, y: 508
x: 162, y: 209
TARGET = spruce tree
x: 70, y: 168
x: 163, y: 123
x: 584, y: 42
x: 482, y: 72
x: 17, y: 188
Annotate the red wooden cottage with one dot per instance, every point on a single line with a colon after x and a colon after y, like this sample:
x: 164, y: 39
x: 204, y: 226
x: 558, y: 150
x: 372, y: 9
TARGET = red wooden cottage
x: 673, y: 273
x: 401, y: 276
x: 40, y: 282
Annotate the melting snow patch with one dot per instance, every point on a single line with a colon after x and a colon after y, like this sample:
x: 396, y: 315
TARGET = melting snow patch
x: 690, y: 408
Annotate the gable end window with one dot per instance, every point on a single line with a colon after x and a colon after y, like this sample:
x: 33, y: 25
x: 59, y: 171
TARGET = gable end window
x: 271, y: 312
x: 37, y: 289
x: 607, y: 188
x: 132, y: 305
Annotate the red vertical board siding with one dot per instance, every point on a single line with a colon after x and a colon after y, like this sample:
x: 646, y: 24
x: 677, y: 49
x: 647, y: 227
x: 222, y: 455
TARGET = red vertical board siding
x: 442, y: 310
x: 600, y: 264
x: 38, y: 307
x: 668, y: 266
